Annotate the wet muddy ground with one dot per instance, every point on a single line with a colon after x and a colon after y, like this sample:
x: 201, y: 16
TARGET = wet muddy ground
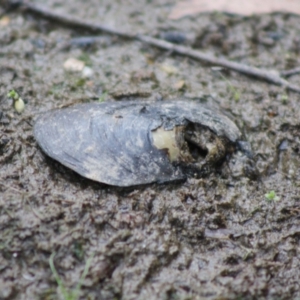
x: 212, y: 238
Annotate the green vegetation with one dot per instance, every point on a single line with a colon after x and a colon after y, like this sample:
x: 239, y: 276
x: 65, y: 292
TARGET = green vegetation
x: 72, y: 294
x: 103, y: 97
x: 85, y: 57
x: 271, y: 196
x: 284, y: 99
x: 19, y: 104
x: 13, y: 94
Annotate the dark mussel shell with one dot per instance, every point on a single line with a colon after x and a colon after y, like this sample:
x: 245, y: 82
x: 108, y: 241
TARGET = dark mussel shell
x: 113, y: 142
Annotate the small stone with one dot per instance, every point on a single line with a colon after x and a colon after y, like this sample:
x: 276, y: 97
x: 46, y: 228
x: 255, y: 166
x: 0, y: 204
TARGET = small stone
x: 4, y: 21
x: 87, y: 72
x: 74, y: 65
x: 180, y: 85
x: 169, y: 69
x: 6, y: 292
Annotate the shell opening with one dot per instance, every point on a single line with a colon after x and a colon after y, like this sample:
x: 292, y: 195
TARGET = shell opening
x: 180, y: 143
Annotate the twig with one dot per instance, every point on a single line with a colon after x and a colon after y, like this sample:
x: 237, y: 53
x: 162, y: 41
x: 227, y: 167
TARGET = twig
x: 270, y: 76
x: 290, y: 72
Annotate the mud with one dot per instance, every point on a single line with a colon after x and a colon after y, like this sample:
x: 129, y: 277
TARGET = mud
x: 213, y: 238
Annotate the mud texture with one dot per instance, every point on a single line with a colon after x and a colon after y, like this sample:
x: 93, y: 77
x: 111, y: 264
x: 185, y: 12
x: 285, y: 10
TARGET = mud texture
x: 217, y: 237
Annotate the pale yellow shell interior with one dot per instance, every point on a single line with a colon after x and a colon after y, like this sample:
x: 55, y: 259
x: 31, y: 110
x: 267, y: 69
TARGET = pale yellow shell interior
x: 166, y: 139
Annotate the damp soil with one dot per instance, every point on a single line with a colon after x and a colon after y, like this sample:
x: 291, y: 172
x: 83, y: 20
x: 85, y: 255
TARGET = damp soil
x: 217, y: 237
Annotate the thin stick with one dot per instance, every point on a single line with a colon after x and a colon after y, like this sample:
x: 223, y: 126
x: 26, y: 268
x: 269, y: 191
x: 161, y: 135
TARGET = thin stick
x: 270, y: 76
x: 290, y: 72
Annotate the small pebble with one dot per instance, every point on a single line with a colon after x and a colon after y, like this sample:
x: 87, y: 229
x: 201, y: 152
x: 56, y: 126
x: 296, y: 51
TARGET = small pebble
x: 74, y: 65
x: 4, y: 21
x: 180, y: 85
x: 87, y: 72
x: 169, y: 69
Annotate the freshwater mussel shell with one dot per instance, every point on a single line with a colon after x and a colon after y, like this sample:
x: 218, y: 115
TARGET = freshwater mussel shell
x: 111, y: 142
